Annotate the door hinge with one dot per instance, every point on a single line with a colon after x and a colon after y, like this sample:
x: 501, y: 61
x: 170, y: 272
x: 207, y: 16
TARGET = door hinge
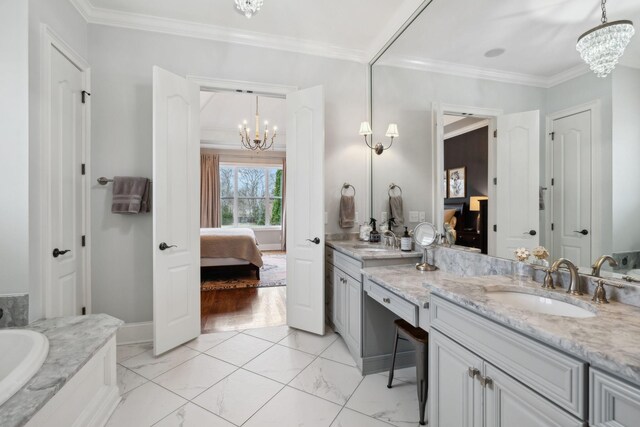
x: 553, y: 181
x: 84, y: 96
x: 84, y: 241
x: 495, y: 227
x: 495, y: 133
x: 553, y: 226
x: 84, y: 311
x: 553, y: 136
x: 495, y: 181
x: 83, y: 169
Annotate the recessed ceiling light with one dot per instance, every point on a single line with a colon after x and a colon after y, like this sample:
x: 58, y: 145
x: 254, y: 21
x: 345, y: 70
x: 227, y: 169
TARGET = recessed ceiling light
x: 494, y: 52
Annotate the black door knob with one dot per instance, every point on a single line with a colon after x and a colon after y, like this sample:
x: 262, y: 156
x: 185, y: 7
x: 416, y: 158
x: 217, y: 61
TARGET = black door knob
x: 583, y: 232
x: 531, y: 232
x: 315, y: 240
x: 57, y: 252
x: 163, y: 246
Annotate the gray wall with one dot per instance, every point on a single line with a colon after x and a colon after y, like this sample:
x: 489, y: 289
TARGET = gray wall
x: 65, y: 21
x: 14, y: 148
x: 121, y: 60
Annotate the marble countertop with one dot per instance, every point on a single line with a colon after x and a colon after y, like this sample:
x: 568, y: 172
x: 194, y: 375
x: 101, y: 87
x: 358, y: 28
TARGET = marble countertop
x: 72, y: 342
x: 610, y: 340
x: 361, y: 250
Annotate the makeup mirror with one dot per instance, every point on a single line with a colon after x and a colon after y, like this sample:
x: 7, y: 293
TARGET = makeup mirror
x: 425, y: 235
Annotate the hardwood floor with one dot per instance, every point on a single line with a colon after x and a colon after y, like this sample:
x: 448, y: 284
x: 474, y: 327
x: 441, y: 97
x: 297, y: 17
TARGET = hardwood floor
x: 231, y: 309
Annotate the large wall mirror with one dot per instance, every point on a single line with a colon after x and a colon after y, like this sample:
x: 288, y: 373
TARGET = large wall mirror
x: 506, y: 135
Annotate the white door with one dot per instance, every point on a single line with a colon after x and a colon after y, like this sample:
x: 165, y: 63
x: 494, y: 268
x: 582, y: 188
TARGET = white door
x: 518, y: 174
x: 66, y: 291
x: 305, y: 210
x: 176, y: 210
x: 571, y: 188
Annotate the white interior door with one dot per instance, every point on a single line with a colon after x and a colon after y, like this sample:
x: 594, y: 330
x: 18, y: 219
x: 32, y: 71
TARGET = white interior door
x: 176, y: 211
x: 518, y: 173
x: 66, y: 292
x: 305, y: 210
x: 572, y: 188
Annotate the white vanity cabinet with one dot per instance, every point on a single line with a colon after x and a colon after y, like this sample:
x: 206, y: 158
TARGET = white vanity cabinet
x: 612, y: 402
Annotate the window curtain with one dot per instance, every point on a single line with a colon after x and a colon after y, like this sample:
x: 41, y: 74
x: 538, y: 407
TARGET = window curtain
x: 284, y: 204
x: 209, y: 191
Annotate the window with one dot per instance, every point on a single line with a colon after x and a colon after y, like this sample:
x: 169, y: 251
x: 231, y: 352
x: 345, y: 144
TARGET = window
x: 251, y: 196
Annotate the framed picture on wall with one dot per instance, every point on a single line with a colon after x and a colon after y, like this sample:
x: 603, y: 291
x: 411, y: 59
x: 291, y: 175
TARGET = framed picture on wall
x: 445, y: 184
x: 458, y: 182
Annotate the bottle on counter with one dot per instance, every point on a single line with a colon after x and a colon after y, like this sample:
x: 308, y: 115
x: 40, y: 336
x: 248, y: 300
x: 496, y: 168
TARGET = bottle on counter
x: 365, y: 229
x: 374, y: 236
x: 405, y: 241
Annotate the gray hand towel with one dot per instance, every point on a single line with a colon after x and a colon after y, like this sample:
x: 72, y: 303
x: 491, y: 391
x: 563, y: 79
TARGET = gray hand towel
x: 396, y: 210
x: 128, y: 195
x: 347, y: 211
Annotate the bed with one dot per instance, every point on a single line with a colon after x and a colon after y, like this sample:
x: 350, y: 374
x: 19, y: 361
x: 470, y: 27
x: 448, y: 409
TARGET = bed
x: 224, y: 247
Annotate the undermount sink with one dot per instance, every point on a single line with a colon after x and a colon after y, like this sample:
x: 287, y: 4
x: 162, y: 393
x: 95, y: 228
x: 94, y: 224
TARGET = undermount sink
x: 23, y: 353
x: 374, y: 248
x: 539, y: 304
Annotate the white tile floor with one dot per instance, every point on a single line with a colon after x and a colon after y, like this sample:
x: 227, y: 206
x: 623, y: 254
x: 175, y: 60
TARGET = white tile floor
x: 260, y: 377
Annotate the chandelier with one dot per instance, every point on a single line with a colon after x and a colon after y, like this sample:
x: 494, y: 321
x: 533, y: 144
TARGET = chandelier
x: 601, y: 47
x: 257, y: 143
x: 249, y: 7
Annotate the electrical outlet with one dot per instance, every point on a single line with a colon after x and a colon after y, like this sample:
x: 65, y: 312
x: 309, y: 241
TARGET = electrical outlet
x: 383, y: 217
x: 423, y: 216
x: 413, y: 216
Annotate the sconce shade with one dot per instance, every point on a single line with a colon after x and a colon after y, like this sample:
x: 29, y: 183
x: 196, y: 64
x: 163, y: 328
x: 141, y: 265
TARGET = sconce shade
x: 392, y: 131
x: 365, y: 128
x: 474, y: 203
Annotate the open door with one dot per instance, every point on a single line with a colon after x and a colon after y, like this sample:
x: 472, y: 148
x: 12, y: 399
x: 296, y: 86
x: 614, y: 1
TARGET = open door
x: 518, y: 173
x: 305, y: 210
x: 176, y: 211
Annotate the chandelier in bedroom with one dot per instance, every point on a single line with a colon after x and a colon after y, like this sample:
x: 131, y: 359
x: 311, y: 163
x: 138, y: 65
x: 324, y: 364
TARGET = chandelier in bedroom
x: 248, y: 7
x: 257, y: 143
x: 602, y: 47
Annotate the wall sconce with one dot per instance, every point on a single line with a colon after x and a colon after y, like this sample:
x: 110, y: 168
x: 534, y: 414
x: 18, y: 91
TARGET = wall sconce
x: 392, y: 132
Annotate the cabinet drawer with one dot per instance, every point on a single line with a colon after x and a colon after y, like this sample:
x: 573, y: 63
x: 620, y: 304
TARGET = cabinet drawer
x: 555, y: 375
x: 613, y: 402
x: 349, y: 265
x: 400, y: 306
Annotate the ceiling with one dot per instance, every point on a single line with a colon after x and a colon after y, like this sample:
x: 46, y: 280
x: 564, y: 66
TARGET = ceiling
x: 222, y: 112
x: 538, y: 36
x: 355, y: 29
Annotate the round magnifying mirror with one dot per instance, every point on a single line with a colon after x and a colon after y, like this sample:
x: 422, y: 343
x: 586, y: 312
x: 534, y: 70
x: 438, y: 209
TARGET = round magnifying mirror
x: 426, y: 235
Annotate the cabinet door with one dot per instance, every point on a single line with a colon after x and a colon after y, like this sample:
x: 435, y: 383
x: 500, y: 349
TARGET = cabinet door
x: 613, y: 402
x: 509, y: 403
x: 339, y: 300
x: 455, y: 394
x: 353, y: 307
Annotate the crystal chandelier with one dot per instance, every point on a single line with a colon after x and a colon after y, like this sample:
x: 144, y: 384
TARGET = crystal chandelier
x: 601, y: 47
x: 249, y: 7
x: 257, y: 143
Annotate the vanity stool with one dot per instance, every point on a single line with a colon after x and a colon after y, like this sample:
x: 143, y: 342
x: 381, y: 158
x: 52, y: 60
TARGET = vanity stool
x: 420, y: 340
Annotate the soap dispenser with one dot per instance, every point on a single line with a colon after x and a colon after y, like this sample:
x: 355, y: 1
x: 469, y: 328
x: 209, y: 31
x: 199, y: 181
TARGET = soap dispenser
x: 374, y: 236
x: 405, y: 241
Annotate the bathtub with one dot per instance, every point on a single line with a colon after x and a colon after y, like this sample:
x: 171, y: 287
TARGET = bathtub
x: 22, y: 353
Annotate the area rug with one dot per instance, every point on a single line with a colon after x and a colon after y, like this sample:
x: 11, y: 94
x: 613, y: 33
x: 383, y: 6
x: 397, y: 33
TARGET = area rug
x: 273, y: 273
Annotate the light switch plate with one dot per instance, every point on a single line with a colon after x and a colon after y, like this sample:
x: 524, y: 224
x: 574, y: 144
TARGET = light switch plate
x: 383, y: 216
x: 326, y: 218
x: 357, y: 217
x: 413, y: 216
x: 423, y: 216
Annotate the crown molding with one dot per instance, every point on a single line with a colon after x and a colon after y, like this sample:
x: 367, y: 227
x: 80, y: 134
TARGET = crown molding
x: 466, y: 129
x: 567, y: 75
x: 114, y: 18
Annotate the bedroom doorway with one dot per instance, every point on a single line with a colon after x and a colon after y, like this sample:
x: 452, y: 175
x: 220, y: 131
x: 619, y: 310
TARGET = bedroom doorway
x: 243, y: 253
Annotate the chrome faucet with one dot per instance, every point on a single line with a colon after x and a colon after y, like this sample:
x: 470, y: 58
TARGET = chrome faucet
x: 595, y: 268
x: 388, y: 234
x: 574, y: 285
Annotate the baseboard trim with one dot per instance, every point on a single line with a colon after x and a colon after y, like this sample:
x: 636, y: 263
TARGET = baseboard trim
x: 376, y: 364
x: 270, y: 247
x: 134, y: 333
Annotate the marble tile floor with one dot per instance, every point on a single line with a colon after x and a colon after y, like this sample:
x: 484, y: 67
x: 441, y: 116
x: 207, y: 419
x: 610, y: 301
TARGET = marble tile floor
x: 273, y: 376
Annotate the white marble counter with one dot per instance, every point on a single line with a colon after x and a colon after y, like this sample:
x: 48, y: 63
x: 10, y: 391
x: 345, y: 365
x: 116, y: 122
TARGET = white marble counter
x: 72, y: 342
x: 362, y: 250
x: 610, y: 340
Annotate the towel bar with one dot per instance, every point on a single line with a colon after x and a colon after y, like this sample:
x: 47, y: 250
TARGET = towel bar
x: 104, y: 181
x: 346, y: 186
